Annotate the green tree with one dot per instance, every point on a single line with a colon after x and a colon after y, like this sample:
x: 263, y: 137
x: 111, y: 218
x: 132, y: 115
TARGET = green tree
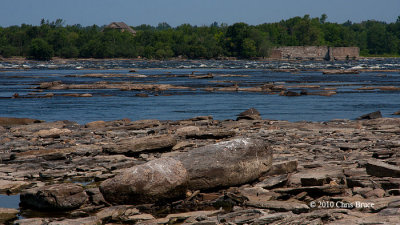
x: 94, y: 48
x: 39, y: 49
x: 376, y: 37
x: 249, y: 48
x: 323, y: 18
x: 235, y: 36
x: 264, y: 49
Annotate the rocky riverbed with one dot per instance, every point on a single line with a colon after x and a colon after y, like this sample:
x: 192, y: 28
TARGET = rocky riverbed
x: 202, y: 171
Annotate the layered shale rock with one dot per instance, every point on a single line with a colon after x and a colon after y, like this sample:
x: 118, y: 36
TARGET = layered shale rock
x: 136, y: 145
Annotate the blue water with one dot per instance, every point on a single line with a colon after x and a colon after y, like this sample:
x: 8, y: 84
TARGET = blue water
x: 9, y: 201
x: 348, y: 103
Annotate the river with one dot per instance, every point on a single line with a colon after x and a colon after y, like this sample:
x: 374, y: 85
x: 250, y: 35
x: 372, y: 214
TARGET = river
x: 348, y: 102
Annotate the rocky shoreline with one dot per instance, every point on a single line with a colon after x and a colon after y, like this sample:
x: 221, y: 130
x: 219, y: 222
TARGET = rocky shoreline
x: 202, y: 171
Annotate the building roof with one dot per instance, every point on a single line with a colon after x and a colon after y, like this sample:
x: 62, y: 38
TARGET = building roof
x: 121, y: 26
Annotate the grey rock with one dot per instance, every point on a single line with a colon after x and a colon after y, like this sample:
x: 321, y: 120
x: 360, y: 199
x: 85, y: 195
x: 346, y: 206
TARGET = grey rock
x: 11, y: 121
x: 95, y: 196
x: 117, y: 213
x: 134, y: 219
x: 250, y: 114
x: 7, y: 214
x: 225, y: 164
x: 52, y: 133
x: 159, y: 179
x: 30, y: 221
x: 317, y: 177
x: 382, y: 203
x: 314, y: 190
x: 92, y: 220
x: 211, y: 134
x: 65, y: 196
x: 394, y: 204
x: 142, y: 124
x: 284, y: 167
x: 381, y: 169
x: 246, y: 216
x: 280, y: 206
x: 390, y: 212
x: 369, y: 116
x: 52, y: 174
x: 258, y: 194
x: 187, y: 217
x: 270, y: 218
x: 383, y: 154
x: 35, y: 127
x: 371, y: 219
x: 188, y: 130
x: 376, y: 193
x: 272, y: 182
x: 136, y: 145
x: 9, y: 186
x: 96, y: 124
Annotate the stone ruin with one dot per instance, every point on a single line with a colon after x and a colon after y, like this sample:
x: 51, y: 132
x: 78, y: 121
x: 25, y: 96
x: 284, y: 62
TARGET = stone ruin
x: 315, y: 53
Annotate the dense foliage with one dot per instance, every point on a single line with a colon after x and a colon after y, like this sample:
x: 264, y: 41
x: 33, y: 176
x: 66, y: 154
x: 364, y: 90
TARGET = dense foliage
x: 217, y: 40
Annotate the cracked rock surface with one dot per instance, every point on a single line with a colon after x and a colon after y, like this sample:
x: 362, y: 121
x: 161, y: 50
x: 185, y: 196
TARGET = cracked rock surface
x: 334, y: 172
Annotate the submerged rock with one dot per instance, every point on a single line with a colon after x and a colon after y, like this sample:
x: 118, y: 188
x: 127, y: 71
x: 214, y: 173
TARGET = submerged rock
x: 228, y: 163
x: 159, y: 179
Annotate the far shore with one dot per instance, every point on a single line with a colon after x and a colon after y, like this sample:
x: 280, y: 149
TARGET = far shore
x: 64, y: 61
x: 18, y: 59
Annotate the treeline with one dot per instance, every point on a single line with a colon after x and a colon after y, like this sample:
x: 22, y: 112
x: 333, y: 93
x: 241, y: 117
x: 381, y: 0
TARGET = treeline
x: 215, y: 41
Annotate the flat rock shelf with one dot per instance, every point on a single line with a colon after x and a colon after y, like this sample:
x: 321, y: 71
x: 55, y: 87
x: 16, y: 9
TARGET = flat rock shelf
x: 244, y: 171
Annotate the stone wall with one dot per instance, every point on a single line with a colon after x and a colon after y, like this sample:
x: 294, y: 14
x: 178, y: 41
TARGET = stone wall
x: 343, y: 53
x: 315, y: 53
x: 303, y: 52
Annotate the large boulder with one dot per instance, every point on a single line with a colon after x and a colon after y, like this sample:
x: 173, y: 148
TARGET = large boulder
x: 58, y: 197
x: 164, y: 178
x: 225, y: 164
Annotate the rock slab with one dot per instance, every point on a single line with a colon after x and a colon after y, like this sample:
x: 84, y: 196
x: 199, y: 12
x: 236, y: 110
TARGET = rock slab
x: 7, y: 214
x: 381, y: 169
x: 135, y: 145
x: 57, y: 197
x: 11, y: 121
